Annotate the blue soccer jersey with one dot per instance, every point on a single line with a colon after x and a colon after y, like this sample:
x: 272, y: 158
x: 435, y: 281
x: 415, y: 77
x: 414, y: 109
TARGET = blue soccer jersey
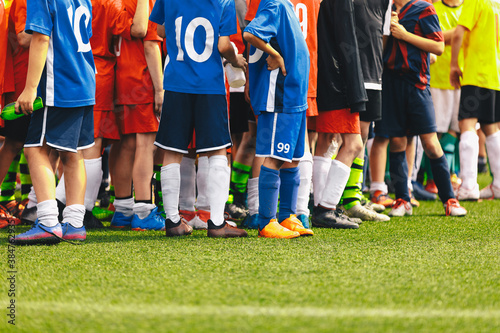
x: 419, y: 18
x: 68, y: 79
x: 277, y: 24
x: 192, y: 28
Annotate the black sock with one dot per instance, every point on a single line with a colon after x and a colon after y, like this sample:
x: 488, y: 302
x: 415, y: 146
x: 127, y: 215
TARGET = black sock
x: 441, y: 172
x: 398, y: 168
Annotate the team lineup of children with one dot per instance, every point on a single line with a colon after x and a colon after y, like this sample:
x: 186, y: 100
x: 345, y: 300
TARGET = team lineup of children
x: 333, y: 67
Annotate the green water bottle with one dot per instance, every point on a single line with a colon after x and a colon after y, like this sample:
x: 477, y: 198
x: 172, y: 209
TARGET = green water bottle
x: 9, y: 111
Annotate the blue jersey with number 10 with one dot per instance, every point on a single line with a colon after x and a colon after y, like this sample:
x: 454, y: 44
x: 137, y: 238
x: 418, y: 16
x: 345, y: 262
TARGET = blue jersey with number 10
x: 68, y: 79
x: 192, y: 29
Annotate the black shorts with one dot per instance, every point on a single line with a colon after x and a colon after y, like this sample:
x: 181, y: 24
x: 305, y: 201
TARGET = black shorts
x: 240, y: 113
x: 16, y: 129
x: 373, y: 106
x: 480, y: 103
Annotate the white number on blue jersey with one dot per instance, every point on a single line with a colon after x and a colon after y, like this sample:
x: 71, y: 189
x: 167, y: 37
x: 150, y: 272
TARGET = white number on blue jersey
x: 189, y: 39
x: 283, y: 147
x: 75, y: 24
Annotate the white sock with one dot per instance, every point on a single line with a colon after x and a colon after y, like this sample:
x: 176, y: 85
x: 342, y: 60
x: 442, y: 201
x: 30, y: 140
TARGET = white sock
x: 321, y: 166
x: 378, y: 186
x: 74, y: 214
x: 32, y: 198
x: 124, y: 206
x: 170, y: 187
x: 47, y: 213
x: 419, y: 153
x: 493, y: 149
x: 469, y: 151
x: 142, y: 209
x: 253, y: 196
x: 335, y: 184
x: 61, y: 190
x: 201, y: 183
x: 187, y: 194
x: 93, y: 169
x: 219, y: 175
x: 305, y: 170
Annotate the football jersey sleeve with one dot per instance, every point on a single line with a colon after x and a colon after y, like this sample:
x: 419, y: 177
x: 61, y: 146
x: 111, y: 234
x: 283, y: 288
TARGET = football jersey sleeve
x: 18, y: 15
x: 38, y: 17
x: 152, y: 33
x: 228, y: 19
x: 429, y: 23
x: 158, y: 13
x: 266, y: 22
x: 121, y: 22
x: 470, y: 14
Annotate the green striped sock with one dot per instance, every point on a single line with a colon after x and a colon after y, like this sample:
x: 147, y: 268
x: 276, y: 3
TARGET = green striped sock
x: 25, y: 177
x: 111, y: 194
x: 8, y: 187
x: 239, y: 180
x: 158, y: 194
x: 352, y: 193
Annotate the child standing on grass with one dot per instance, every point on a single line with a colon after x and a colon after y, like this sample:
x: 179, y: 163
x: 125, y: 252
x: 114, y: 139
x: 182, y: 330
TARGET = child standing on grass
x: 61, y: 65
x: 197, y: 35
x: 279, y: 72
x: 407, y: 107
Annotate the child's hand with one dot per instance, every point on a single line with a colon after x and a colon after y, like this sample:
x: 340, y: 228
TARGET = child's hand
x: 158, y: 102
x: 25, y: 101
x: 433, y: 58
x: 394, y: 18
x: 455, y: 75
x: 397, y: 30
x: 276, y: 61
x: 240, y: 62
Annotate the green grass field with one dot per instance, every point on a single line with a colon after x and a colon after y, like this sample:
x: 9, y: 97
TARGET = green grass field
x: 427, y: 273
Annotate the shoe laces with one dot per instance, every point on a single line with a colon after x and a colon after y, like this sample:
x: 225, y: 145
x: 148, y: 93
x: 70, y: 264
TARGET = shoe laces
x: 399, y: 202
x: 453, y: 203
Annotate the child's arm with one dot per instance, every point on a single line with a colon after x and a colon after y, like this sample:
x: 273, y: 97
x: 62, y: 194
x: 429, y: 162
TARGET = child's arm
x: 226, y: 49
x: 38, y: 56
x: 456, y: 44
x: 425, y: 44
x: 139, y: 26
x: 275, y: 60
x: 153, y: 59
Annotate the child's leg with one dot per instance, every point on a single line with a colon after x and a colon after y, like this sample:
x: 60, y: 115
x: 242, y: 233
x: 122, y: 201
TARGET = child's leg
x: 219, y: 175
x: 142, y: 173
x: 269, y: 185
x: 439, y: 165
x: 289, y: 187
x: 24, y: 176
x: 42, y: 176
x: 399, y: 167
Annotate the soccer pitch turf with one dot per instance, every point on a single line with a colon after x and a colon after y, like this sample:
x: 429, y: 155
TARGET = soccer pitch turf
x: 426, y: 273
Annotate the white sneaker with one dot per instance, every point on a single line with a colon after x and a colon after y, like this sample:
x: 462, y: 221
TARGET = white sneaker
x: 453, y: 208
x: 490, y: 192
x: 401, y: 208
x: 366, y: 214
x: 197, y: 223
x: 466, y: 194
x: 374, y: 206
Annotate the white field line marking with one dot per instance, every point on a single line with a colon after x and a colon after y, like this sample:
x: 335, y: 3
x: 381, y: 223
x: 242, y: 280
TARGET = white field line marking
x: 148, y: 309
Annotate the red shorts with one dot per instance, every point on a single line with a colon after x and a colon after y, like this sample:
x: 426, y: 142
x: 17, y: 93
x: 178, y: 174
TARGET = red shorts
x: 136, y: 118
x: 312, y: 107
x: 105, y: 125
x: 338, y: 121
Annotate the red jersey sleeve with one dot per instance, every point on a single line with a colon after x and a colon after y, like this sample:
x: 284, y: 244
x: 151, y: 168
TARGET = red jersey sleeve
x: 152, y: 33
x: 121, y: 20
x: 252, y: 9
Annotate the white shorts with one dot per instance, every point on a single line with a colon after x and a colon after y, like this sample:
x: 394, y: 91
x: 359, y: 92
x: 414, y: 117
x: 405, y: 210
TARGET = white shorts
x: 446, y: 105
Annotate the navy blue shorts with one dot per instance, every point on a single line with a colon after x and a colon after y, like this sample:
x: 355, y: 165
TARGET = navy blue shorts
x: 205, y: 113
x: 406, y: 109
x: 68, y: 129
x: 281, y: 135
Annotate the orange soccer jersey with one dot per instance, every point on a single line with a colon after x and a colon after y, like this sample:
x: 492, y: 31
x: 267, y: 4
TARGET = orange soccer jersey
x: 109, y: 18
x: 133, y: 81
x: 6, y: 62
x: 17, y: 23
